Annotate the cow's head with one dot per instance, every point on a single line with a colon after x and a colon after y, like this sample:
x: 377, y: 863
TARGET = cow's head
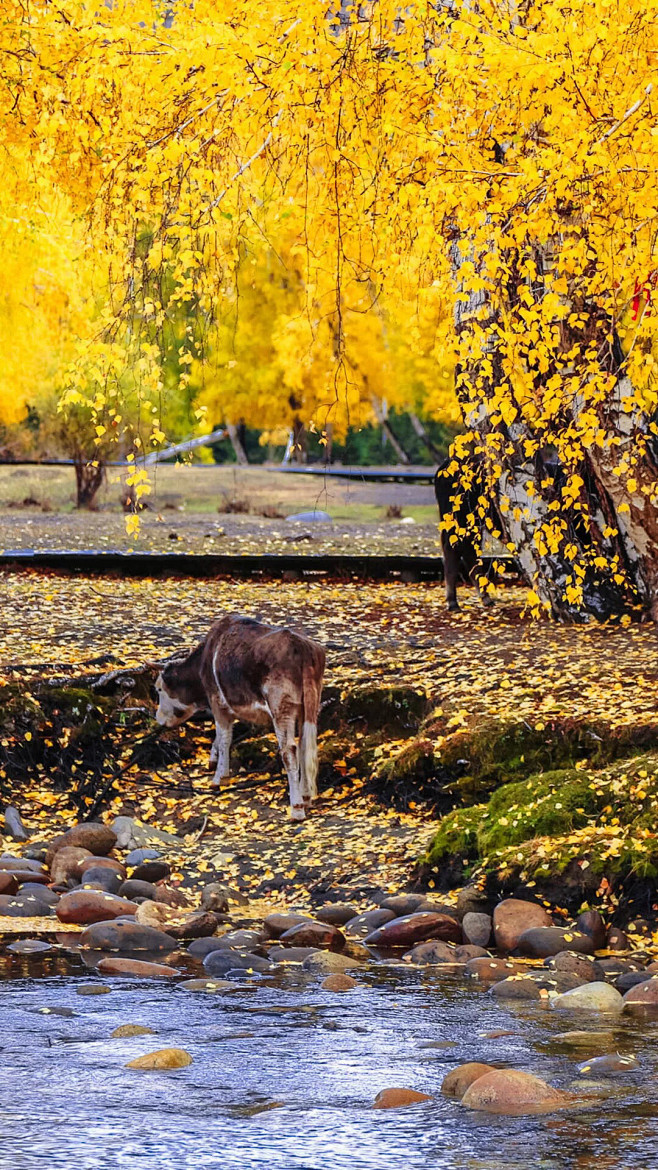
x: 178, y: 695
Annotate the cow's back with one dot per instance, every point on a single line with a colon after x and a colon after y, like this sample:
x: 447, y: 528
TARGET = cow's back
x: 244, y: 658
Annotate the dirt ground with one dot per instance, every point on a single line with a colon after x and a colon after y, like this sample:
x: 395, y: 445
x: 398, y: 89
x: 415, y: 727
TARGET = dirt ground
x: 471, y: 666
x: 195, y: 509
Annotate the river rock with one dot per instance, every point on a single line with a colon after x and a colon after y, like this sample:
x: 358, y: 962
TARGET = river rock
x: 609, y: 1065
x: 489, y: 970
x: 513, y: 1094
x: 93, y: 989
x: 587, y: 969
x: 289, y: 955
x: 221, y: 962
x: 364, y: 924
x: 132, y: 835
x: 93, y: 836
x: 14, y: 826
x: 162, y: 1059
x: 135, y: 889
x: 326, y: 962
x: 591, y: 997
x: 477, y: 929
x: 336, y: 913
x: 540, y: 942
x: 125, y: 1030
x: 617, y: 940
x: 245, y: 939
x: 198, y: 924
x: 471, y: 899
x: 277, y: 924
x: 29, y: 946
x: 200, y: 947
x: 402, y: 904
x: 314, y: 934
x: 93, y: 862
x: 338, y: 982
x: 169, y: 896
x: 513, y: 917
x: 29, y: 905
x: 23, y: 876
x: 432, y: 952
x: 137, y: 856
x: 111, y: 966
x: 126, y: 936
x: 66, y: 863
x: 630, y: 979
x: 8, y: 882
x: 215, y: 897
x: 23, y: 864
x: 459, y: 1079
x: 83, y: 907
x: 466, y: 951
x: 520, y: 987
x: 398, y: 1098
x: 644, y: 995
x: 415, y: 928
x: 591, y: 923
x: 151, y: 871
x: 101, y: 878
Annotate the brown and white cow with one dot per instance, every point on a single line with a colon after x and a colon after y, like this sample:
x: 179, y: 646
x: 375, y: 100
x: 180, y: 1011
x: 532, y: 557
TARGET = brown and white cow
x: 250, y: 671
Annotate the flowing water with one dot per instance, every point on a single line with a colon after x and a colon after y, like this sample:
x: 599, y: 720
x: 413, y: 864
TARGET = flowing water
x: 284, y: 1075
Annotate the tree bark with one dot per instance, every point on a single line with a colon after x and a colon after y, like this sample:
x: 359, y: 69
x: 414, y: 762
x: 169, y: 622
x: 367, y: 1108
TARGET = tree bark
x: 384, y: 424
x: 89, y: 476
x: 240, y: 453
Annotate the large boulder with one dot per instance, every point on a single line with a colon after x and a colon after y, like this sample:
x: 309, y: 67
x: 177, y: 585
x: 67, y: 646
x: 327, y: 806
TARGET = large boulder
x: 415, y: 928
x: 93, y: 836
x: 514, y: 1094
x: 65, y: 866
x: 277, y: 924
x: 540, y: 942
x: 364, y: 924
x: 83, y: 907
x: 459, y: 1079
x: 126, y: 937
x: 591, y: 997
x: 314, y: 934
x: 513, y: 917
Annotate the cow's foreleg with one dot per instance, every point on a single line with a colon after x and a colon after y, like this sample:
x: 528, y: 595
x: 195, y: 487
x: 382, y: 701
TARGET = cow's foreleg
x: 221, y: 748
x: 284, y: 726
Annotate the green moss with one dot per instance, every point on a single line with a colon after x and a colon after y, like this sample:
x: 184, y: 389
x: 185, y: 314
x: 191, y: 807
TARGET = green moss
x: 456, y: 837
x: 415, y: 762
x: 547, y: 805
x: 389, y: 708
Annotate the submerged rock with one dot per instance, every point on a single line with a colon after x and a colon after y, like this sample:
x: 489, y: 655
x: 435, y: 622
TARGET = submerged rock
x: 29, y: 946
x: 398, y: 1098
x: 611, y: 1065
x: 131, y: 1030
x: 325, y: 962
x: 459, y: 1079
x: 164, y: 1058
x: 514, y: 1094
x: 137, y: 967
x: 338, y: 982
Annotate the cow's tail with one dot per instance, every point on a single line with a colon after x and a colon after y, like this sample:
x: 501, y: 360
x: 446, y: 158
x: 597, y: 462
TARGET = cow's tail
x: 308, y: 748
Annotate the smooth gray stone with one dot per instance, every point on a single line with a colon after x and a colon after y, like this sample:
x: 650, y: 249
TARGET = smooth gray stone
x: 311, y: 517
x: 14, y: 825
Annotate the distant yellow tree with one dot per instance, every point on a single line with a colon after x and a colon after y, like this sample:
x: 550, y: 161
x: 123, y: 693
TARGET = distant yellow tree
x: 502, y: 155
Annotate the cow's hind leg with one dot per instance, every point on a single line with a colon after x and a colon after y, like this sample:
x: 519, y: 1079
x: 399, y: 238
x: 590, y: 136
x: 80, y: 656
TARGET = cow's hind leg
x: 221, y: 748
x: 285, y: 725
x: 451, y: 566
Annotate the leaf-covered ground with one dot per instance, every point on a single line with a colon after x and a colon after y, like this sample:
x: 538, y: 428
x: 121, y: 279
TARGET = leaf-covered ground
x: 470, y: 669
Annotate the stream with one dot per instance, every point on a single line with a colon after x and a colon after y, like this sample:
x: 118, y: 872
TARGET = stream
x: 284, y: 1075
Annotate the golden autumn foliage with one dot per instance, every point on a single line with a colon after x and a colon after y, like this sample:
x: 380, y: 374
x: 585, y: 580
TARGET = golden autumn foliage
x: 436, y: 188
